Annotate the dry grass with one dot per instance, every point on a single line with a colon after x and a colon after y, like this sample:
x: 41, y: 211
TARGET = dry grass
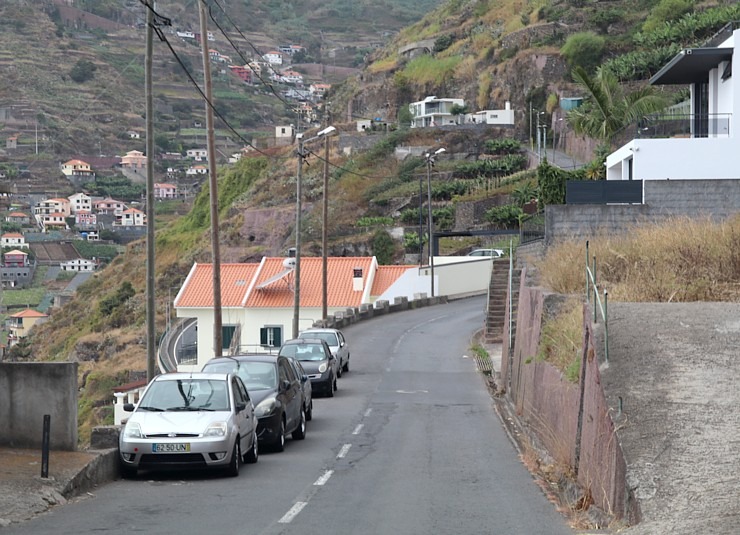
x: 681, y: 260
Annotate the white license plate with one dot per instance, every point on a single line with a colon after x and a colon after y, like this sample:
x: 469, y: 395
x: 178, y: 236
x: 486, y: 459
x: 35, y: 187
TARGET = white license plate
x: 170, y: 448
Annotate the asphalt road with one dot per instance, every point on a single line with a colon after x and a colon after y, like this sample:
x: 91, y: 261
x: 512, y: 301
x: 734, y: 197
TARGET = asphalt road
x: 409, y: 445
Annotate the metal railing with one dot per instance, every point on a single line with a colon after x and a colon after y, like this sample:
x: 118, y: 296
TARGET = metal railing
x: 532, y: 227
x: 592, y: 292
x: 668, y: 125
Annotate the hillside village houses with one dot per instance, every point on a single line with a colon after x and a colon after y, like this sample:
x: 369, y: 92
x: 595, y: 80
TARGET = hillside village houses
x: 78, y: 169
x: 131, y: 217
x: 134, y: 159
x: 165, y: 191
x: 13, y: 239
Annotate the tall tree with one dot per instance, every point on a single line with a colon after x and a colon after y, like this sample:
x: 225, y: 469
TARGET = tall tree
x: 607, y: 109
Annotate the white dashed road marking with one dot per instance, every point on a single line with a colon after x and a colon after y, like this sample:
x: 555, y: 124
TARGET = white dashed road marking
x: 344, y: 451
x: 320, y: 482
x: 368, y: 412
x: 290, y: 515
x: 358, y: 429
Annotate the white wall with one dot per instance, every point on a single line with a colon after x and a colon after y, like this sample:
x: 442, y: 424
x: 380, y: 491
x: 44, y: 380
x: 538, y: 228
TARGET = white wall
x: 677, y: 158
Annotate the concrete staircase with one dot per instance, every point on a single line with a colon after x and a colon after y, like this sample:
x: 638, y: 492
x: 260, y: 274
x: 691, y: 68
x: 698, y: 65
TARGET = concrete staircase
x: 498, y: 300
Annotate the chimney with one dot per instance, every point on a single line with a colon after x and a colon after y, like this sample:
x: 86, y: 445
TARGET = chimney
x: 357, y: 280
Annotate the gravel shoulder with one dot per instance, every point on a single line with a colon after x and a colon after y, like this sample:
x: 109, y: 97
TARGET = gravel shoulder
x: 675, y: 367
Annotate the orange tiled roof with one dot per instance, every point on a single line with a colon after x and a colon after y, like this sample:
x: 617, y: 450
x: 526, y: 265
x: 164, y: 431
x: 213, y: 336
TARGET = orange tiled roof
x: 29, y: 313
x: 385, y: 276
x: 76, y: 162
x: 17, y: 214
x: 12, y: 235
x: 197, y: 292
x: 340, y: 291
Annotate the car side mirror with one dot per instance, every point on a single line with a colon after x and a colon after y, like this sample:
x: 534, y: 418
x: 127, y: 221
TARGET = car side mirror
x: 128, y: 407
x: 304, y: 378
x: 240, y: 407
x: 285, y: 385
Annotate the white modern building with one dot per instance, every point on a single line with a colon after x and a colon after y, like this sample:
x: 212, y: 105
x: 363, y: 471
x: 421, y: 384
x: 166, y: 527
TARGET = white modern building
x: 702, y: 144
x: 433, y: 111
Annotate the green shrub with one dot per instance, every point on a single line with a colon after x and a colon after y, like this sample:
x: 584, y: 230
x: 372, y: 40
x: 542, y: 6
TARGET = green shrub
x: 584, y: 49
x: 83, y: 71
x: 383, y: 247
x: 502, y: 146
x: 667, y: 11
x: 506, y: 216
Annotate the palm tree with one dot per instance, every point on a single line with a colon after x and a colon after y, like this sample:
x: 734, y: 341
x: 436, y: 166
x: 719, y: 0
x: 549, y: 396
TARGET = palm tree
x: 607, y: 108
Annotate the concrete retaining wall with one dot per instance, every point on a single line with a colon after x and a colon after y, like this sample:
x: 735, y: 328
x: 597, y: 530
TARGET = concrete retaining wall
x: 570, y: 419
x: 30, y: 390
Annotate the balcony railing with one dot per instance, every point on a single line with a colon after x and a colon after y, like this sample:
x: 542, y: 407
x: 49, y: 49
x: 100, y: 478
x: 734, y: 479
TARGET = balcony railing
x: 663, y: 125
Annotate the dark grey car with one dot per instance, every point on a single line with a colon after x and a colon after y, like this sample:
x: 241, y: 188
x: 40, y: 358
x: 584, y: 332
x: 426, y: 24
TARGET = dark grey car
x: 318, y: 361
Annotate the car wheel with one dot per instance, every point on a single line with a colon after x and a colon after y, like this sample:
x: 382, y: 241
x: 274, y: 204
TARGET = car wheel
x: 330, y: 389
x: 279, y: 444
x: 309, y: 412
x: 233, y: 468
x: 299, y: 433
x: 346, y: 365
x: 336, y: 386
x: 253, y: 454
x: 127, y: 472
x: 339, y: 370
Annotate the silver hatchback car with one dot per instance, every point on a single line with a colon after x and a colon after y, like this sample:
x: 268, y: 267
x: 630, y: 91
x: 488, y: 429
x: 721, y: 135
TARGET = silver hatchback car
x: 190, y: 420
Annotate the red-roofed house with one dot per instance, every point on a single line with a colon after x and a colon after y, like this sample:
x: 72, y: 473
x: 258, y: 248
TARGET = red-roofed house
x: 13, y: 239
x: 131, y: 218
x: 258, y: 299
x: 18, y: 217
x: 165, y: 191
x: 78, y: 169
x: 22, y: 322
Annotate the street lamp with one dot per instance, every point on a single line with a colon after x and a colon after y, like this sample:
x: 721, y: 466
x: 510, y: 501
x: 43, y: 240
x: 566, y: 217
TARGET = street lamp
x: 430, y: 163
x: 328, y: 131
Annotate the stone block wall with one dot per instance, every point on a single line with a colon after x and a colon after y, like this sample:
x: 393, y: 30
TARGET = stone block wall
x: 662, y: 200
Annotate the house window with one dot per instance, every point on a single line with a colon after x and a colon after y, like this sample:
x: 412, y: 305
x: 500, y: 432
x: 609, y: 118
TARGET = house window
x: 227, y: 335
x: 271, y: 336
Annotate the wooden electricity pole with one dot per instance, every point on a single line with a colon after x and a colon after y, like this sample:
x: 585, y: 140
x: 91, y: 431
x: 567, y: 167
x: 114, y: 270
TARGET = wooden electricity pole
x: 151, y: 329
x: 213, y: 184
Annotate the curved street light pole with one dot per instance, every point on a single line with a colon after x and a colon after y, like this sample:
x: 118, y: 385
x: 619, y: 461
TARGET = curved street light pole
x: 430, y: 163
x: 299, y: 194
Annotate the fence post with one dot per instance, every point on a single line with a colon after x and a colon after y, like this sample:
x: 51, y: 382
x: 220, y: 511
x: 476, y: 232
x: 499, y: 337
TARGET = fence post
x: 45, y: 446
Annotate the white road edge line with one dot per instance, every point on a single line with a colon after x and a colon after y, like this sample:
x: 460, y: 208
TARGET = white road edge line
x: 358, y: 429
x: 343, y: 452
x: 320, y: 482
x: 292, y: 513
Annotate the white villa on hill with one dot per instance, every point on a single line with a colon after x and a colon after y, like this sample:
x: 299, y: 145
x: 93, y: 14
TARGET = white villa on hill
x: 702, y: 144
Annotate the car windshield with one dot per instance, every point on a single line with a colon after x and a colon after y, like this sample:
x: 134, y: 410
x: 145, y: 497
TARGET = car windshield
x: 186, y: 395
x: 254, y: 375
x: 329, y: 338
x: 303, y: 351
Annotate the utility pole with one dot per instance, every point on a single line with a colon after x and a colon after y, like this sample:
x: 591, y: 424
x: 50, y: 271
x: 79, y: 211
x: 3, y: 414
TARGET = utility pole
x: 151, y: 333
x: 324, y: 227
x: 213, y: 184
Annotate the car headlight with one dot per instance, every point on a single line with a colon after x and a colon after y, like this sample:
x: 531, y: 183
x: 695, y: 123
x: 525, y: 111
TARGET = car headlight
x: 216, y: 429
x: 132, y: 430
x: 323, y: 366
x: 265, y: 408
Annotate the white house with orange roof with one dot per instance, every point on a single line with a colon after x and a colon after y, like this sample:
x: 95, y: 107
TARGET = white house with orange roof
x: 13, y: 239
x: 165, y: 191
x: 22, y: 322
x: 109, y: 206
x: 257, y: 300
x: 80, y: 201
x: 78, y: 168
x: 273, y: 57
x: 318, y: 90
x: 131, y: 217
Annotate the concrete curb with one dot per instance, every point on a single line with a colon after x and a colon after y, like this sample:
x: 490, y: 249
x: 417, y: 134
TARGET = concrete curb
x: 102, y: 469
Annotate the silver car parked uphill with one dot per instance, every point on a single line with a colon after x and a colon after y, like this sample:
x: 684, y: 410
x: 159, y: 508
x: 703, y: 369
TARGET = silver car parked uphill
x: 190, y: 420
x: 337, y: 343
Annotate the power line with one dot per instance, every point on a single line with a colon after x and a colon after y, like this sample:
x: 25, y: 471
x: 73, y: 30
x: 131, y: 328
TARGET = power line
x: 238, y: 51
x: 163, y: 38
